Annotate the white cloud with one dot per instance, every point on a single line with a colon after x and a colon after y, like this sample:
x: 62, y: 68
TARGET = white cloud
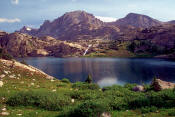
x: 106, y: 19
x: 15, y: 2
x: 5, y: 20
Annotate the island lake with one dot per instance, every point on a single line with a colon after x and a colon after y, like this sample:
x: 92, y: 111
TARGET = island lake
x: 106, y: 71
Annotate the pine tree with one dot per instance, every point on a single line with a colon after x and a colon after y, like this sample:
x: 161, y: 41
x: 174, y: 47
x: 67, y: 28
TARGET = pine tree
x: 89, y: 79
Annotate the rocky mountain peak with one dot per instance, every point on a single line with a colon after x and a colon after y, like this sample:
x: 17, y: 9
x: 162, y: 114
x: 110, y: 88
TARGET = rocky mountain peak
x: 77, y: 17
x: 138, y: 21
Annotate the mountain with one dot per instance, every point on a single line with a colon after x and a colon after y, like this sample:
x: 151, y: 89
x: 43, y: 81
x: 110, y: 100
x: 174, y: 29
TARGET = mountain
x: 78, y: 25
x: 70, y: 26
x: 137, y: 20
x: 74, y: 25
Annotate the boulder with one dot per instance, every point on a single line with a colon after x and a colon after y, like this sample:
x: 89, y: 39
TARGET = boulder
x: 139, y: 88
x: 105, y: 114
x: 159, y: 85
x: 1, y: 83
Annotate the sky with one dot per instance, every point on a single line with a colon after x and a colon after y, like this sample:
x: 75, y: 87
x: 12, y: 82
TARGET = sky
x: 14, y: 14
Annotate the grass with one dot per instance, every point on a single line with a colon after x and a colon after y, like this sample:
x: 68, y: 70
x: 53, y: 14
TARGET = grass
x: 58, y: 98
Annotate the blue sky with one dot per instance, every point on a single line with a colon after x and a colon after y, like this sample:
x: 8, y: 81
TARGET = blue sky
x: 17, y: 13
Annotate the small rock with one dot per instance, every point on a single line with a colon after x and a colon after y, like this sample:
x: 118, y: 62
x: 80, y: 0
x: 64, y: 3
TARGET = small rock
x: 52, y: 80
x: 1, y: 83
x: 12, y: 76
x: 37, y: 86
x: 3, y: 98
x: 6, y: 72
x: 32, y: 84
x: 139, y: 88
x: 3, y: 109
x: 2, y: 76
x: 5, y: 113
x: 73, y: 100
x: 33, y: 79
x: 76, y: 89
x: 54, y: 90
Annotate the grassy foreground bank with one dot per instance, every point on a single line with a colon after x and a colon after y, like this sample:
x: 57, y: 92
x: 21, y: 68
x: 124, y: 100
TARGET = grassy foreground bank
x: 30, y: 94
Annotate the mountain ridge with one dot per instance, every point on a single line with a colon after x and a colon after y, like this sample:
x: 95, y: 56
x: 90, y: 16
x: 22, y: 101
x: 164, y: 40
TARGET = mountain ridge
x: 78, y: 25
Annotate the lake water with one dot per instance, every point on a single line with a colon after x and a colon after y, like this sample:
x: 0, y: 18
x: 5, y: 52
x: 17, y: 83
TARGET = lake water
x: 106, y: 71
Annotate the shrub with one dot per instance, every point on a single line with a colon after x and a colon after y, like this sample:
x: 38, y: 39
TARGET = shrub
x: 118, y: 103
x: 130, y: 86
x: 171, y: 113
x: 24, y: 62
x: 86, y: 95
x: 90, y: 108
x: 46, y: 100
x: 5, y: 55
x: 148, y: 109
x: 83, y: 86
x: 65, y: 80
x: 165, y: 98
x: 139, y: 102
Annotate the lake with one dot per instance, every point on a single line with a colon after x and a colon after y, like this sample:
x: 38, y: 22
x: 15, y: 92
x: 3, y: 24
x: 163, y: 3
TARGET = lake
x: 106, y: 71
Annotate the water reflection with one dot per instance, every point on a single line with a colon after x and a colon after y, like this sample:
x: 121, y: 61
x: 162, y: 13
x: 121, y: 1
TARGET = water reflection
x: 106, y: 71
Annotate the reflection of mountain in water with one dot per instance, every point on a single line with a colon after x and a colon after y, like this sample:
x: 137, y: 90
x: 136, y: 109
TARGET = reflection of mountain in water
x: 106, y: 71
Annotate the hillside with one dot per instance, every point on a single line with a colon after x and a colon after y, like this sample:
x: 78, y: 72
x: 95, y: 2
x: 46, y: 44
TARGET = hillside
x: 22, y: 45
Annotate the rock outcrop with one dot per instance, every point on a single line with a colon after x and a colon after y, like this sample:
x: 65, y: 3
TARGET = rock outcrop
x: 31, y: 69
x: 159, y: 85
